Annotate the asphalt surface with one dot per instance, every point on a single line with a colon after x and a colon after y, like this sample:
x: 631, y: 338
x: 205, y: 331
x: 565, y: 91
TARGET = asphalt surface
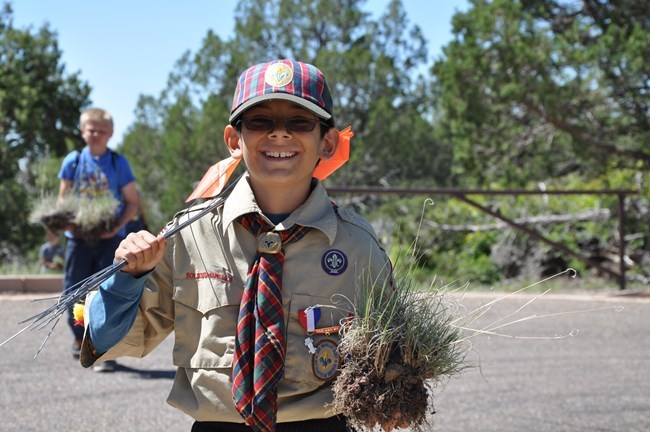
x: 596, y: 380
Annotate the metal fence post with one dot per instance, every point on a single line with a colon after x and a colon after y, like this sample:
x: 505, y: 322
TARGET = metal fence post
x: 621, y: 244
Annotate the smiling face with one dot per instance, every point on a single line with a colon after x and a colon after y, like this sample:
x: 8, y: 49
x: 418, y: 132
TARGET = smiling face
x: 280, y: 158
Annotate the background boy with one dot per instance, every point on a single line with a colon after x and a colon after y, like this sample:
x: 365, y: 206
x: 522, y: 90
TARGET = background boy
x: 95, y: 168
x: 256, y: 289
x: 51, y: 254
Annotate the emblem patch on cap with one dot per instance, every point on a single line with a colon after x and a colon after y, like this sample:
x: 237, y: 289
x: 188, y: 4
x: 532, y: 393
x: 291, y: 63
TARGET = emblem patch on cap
x: 334, y: 262
x: 278, y: 75
x: 325, y: 361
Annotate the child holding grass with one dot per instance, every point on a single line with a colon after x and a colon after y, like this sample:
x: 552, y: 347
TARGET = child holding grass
x: 250, y: 289
x: 91, y: 173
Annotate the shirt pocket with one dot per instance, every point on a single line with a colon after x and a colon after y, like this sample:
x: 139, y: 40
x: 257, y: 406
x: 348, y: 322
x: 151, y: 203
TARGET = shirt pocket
x: 205, y: 323
x: 301, y: 365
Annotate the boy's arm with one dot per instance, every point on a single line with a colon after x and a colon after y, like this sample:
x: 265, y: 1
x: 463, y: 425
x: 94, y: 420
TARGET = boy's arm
x: 111, y: 312
x: 64, y: 188
x: 131, y: 203
x: 113, y: 309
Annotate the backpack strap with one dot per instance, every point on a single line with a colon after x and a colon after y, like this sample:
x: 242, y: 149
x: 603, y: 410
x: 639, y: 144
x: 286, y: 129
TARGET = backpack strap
x: 114, y: 156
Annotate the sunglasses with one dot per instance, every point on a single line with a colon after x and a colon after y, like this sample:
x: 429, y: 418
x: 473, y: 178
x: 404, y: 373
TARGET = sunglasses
x: 293, y: 124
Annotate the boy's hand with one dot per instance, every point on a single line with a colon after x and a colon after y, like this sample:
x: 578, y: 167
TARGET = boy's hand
x: 142, y: 251
x: 112, y: 233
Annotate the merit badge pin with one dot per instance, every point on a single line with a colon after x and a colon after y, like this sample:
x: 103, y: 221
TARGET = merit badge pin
x: 334, y: 262
x: 325, y: 361
x: 309, y: 318
x: 278, y: 75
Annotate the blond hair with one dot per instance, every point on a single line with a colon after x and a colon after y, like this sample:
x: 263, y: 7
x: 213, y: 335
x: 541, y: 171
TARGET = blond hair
x: 95, y: 114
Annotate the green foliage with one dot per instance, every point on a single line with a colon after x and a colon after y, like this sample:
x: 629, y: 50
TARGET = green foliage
x: 532, y: 90
x: 39, y: 111
x: 39, y: 102
x: 370, y: 65
x: 527, y: 94
x: 17, y: 235
x: 459, y: 242
x: 473, y: 261
x: 45, y: 175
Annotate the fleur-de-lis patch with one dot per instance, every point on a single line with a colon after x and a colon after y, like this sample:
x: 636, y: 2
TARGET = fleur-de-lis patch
x: 334, y: 262
x: 278, y: 75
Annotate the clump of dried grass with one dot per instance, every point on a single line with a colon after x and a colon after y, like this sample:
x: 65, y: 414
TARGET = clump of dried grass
x: 54, y: 216
x: 397, y: 345
x: 89, y: 216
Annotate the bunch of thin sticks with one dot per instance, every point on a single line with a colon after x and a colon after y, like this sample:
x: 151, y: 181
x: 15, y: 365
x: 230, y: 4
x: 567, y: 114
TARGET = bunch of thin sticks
x: 50, y: 317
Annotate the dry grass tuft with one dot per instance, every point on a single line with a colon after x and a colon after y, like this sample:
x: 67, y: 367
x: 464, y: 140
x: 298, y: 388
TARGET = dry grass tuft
x: 396, y: 346
x: 89, y: 216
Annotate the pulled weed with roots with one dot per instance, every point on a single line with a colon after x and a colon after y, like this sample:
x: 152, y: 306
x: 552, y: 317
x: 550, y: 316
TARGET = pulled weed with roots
x: 397, y: 346
x: 90, y: 216
x: 54, y: 217
x: 400, y: 344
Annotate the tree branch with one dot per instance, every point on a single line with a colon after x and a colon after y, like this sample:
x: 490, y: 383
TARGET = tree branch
x: 579, y: 135
x: 589, y: 215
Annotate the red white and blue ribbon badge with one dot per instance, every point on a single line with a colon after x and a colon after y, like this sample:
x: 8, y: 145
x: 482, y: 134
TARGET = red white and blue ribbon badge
x: 309, y: 318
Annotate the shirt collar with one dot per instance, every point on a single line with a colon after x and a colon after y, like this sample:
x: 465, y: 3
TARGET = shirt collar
x: 85, y: 152
x: 316, y: 212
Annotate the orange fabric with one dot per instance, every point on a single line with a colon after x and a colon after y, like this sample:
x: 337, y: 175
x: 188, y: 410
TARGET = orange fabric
x: 214, y: 179
x: 327, y: 167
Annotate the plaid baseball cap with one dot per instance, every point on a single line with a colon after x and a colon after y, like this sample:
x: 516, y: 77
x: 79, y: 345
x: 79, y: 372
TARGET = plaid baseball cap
x: 294, y: 81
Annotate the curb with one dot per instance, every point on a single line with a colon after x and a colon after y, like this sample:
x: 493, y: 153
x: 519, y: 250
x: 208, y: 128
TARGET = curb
x: 31, y: 283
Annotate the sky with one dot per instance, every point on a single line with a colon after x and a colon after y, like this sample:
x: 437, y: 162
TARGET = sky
x: 127, y: 48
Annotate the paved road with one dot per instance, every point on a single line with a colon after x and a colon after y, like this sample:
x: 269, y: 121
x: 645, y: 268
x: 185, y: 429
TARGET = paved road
x: 596, y: 380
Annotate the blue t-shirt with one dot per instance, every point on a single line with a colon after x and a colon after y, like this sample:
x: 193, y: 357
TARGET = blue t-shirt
x: 91, y: 174
x: 49, y: 252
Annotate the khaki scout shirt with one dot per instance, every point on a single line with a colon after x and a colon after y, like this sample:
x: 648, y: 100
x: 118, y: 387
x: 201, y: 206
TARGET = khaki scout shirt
x: 196, y: 289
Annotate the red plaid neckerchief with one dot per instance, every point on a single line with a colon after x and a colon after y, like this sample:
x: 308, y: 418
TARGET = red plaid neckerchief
x: 260, y: 346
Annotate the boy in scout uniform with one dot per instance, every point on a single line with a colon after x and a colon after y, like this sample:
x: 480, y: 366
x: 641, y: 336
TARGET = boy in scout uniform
x: 255, y: 290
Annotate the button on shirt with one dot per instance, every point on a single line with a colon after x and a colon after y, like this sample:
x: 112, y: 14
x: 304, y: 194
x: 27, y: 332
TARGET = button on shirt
x: 196, y: 289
